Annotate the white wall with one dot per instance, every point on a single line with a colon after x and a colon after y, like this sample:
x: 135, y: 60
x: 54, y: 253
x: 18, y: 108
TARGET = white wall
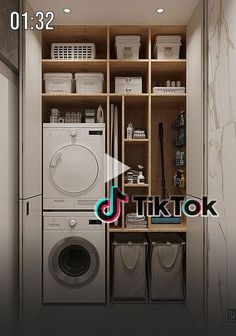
x: 8, y: 193
x: 222, y: 164
x: 194, y: 247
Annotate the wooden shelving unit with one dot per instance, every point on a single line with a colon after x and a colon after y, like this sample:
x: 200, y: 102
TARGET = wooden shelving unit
x: 144, y: 110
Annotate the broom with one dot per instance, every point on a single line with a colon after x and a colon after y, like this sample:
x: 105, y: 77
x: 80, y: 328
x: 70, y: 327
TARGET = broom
x: 172, y: 219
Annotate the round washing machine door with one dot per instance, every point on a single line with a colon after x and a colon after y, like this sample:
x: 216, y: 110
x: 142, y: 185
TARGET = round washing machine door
x: 74, y: 169
x: 74, y: 262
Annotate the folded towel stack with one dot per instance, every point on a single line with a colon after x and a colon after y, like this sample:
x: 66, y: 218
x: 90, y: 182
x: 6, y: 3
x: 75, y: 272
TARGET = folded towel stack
x: 133, y: 221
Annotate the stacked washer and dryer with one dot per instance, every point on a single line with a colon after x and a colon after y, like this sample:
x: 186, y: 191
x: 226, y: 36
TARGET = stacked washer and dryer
x: 73, y: 238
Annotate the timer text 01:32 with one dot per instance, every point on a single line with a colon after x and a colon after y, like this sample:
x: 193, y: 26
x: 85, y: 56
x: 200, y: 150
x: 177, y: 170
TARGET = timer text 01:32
x: 37, y: 21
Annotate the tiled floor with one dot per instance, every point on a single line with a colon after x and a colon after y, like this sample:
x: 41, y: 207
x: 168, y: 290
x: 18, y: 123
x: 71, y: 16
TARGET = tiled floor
x: 116, y: 320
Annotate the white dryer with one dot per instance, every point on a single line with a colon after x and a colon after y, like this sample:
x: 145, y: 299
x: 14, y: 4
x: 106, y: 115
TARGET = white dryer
x: 73, y: 258
x: 73, y: 166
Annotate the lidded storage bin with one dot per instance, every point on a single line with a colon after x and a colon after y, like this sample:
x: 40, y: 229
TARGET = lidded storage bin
x: 89, y: 82
x: 169, y: 90
x: 167, y: 47
x: 128, y: 46
x: 58, y: 82
x: 166, y: 267
x: 129, y: 263
x: 73, y: 51
x: 126, y: 85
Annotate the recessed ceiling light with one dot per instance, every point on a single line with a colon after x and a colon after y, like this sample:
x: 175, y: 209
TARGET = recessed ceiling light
x: 67, y: 10
x: 160, y: 10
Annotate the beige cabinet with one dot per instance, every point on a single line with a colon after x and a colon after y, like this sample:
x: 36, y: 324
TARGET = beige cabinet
x: 31, y: 125
x: 32, y: 257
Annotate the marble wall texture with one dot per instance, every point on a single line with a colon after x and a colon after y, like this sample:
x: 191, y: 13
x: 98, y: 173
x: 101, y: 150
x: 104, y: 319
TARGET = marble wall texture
x: 8, y: 37
x: 222, y: 164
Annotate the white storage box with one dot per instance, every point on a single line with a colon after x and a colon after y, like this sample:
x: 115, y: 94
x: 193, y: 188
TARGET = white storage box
x: 89, y: 82
x: 73, y: 51
x: 58, y: 82
x: 169, y: 90
x: 128, y: 85
x: 127, y: 47
x: 167, y: 47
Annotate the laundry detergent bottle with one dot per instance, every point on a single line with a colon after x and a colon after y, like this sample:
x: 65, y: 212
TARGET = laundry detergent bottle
x: 100, y: 115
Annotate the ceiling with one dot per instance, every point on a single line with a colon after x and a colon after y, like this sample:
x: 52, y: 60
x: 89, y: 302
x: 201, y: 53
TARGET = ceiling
x: 118, y: 12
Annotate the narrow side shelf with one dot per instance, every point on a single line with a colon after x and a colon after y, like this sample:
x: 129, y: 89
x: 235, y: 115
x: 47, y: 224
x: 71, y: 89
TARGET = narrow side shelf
x: 73, y: 98
x: 155, y: 228
x: 96, y: 65
x: 130, y: 185
x: 136, y: 141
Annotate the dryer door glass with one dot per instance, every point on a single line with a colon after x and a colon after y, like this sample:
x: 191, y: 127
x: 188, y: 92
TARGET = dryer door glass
x: 74, y: 262
x: 74, y: 169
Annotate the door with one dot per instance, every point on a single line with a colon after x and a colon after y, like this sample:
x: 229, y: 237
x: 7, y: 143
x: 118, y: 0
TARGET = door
x: 31, y: 114
x: 195, y: 164
x: 30, y: 129
x: 8, y: 194
x: 69, y: 173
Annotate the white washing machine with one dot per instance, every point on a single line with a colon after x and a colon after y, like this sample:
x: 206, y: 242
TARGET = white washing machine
x: 74, y: 258
x: 73, y: 166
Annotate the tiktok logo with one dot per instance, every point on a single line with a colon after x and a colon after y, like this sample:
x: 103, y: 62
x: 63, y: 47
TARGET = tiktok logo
x: 108, y: 210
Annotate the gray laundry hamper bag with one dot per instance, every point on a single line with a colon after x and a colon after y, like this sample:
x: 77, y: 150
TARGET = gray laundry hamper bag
x: 166, y: 268
x: 129, y: 268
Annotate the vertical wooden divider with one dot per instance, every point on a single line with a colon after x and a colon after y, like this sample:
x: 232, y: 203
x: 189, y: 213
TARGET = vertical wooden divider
x: 123, y: 156
x: 149, y: 117
x: 108, y: 184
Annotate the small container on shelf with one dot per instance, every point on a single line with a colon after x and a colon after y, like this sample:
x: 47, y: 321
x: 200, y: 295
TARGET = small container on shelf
x: 168, y: 91
x: 128, y: 85
x: 130, y: 131
x: 89, y: 83
x: 167, y: 47
x: 55, y: 114
x: 180, y: 158
x: 181, y: 139
x: 127, y: 47
x: 179, y: 179
x: 139, y: 134
x: 58, y: 82
x: 180, y: 121
x: 90, y: 116
x: 73, y: 51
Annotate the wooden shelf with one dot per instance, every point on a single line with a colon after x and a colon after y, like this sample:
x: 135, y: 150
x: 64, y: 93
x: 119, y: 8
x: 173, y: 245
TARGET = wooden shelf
x: 169, y: 66
x: 173, y: 96
x: 128, y: 230
x: 136, y: 141
x: 122, y: 66
x: 178, y: 228
x: 167, y: 101
x: 168, y: 228
x: 135, y: 96
x: 74, y: 98
x: 96, y: 65
x: 135, y: 185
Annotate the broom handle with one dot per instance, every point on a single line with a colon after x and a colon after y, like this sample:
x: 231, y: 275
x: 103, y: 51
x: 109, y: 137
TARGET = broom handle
x: 161, y: 135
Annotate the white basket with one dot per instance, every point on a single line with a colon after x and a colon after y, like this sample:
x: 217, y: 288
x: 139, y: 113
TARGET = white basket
x: 58, y: 82
x: 128, y: 85
x: 168, y: 91
x: 89, y: 82
x: 73, y: 51
x: 127, y: 47
x: 167, y: 47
